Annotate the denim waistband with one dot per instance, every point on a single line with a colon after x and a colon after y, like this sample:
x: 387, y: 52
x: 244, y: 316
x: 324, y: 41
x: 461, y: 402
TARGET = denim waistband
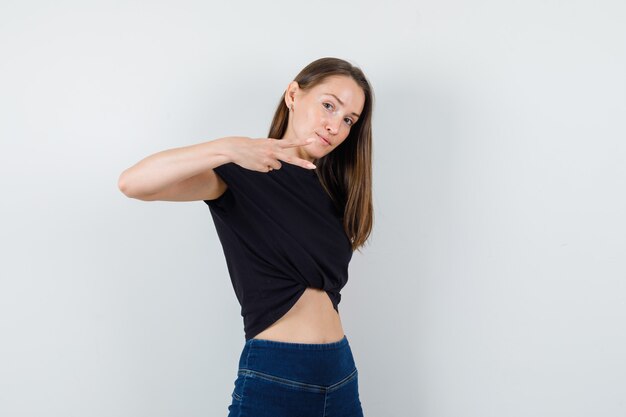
x: 312, y: 363
x: 264, y: 343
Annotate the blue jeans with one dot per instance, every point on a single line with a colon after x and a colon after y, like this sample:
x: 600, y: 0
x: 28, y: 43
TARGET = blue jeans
x: 277, y: 379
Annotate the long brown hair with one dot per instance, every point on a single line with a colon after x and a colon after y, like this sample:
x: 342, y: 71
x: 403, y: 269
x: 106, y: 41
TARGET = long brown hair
x: 346, y: 172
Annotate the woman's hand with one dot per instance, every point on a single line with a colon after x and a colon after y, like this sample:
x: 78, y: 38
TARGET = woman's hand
x: 265, y: 154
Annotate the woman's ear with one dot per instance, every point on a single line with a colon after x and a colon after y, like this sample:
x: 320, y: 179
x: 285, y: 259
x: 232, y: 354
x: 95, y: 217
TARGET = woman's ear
x: 290, y: 93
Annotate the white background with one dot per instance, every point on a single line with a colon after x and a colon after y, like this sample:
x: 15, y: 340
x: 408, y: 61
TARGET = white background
x: 494, y: 281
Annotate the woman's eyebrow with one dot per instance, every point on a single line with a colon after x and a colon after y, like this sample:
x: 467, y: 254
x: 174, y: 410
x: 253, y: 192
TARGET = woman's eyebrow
x: 341, y: 102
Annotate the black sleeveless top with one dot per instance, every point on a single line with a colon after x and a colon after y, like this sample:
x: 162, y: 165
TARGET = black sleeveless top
x: 280, y: 233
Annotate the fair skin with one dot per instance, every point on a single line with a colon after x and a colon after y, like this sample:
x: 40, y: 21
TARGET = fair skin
x: 327, y: 111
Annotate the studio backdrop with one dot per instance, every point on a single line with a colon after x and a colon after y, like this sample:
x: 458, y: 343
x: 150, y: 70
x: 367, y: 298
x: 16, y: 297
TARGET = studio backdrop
x: 493, y: 284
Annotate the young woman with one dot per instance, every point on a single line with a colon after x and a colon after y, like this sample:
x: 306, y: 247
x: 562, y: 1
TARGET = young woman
x: 289, y: 211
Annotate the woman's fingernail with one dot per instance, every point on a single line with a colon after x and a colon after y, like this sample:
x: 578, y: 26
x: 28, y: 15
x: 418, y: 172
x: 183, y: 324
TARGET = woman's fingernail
x: 312, y: 166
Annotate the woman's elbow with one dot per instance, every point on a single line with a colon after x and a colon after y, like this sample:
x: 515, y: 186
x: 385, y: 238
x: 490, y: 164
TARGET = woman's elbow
x: 123, y: 186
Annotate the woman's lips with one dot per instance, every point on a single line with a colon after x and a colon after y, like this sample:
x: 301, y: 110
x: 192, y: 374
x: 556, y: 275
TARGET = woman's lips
x: 324, y: 141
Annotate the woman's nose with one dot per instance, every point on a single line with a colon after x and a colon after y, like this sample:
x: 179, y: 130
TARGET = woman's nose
x: 332, y: 124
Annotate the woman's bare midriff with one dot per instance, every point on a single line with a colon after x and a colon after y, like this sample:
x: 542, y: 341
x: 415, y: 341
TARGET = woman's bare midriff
x: 312, y: 319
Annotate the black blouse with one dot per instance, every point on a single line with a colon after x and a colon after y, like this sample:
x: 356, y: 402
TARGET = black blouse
x: 280, y: 233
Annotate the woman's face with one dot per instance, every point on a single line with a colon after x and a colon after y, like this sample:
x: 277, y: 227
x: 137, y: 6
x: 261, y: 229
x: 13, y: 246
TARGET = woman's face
x: 326, y: 112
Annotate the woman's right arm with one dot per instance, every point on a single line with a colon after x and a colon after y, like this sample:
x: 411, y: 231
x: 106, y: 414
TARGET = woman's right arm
x: 186, y: 173
x: 178, y: 174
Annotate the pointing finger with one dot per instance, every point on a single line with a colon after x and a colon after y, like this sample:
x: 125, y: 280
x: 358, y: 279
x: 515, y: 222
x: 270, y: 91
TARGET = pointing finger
x: 297, y: 161
x: 290, y: 143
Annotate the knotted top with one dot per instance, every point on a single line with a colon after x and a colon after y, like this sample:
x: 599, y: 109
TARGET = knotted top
x: 280, y: 233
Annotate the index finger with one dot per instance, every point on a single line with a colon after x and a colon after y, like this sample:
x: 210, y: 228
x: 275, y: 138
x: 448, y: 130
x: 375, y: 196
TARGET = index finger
x: 290, y: 143
x: 297, y: 161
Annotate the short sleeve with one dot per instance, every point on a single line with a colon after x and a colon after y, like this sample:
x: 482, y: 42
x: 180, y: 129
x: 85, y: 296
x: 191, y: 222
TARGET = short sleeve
x: 239, y: 180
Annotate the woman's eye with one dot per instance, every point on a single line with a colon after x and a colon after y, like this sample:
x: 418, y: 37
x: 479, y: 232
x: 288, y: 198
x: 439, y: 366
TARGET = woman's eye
x: 348, y: 121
